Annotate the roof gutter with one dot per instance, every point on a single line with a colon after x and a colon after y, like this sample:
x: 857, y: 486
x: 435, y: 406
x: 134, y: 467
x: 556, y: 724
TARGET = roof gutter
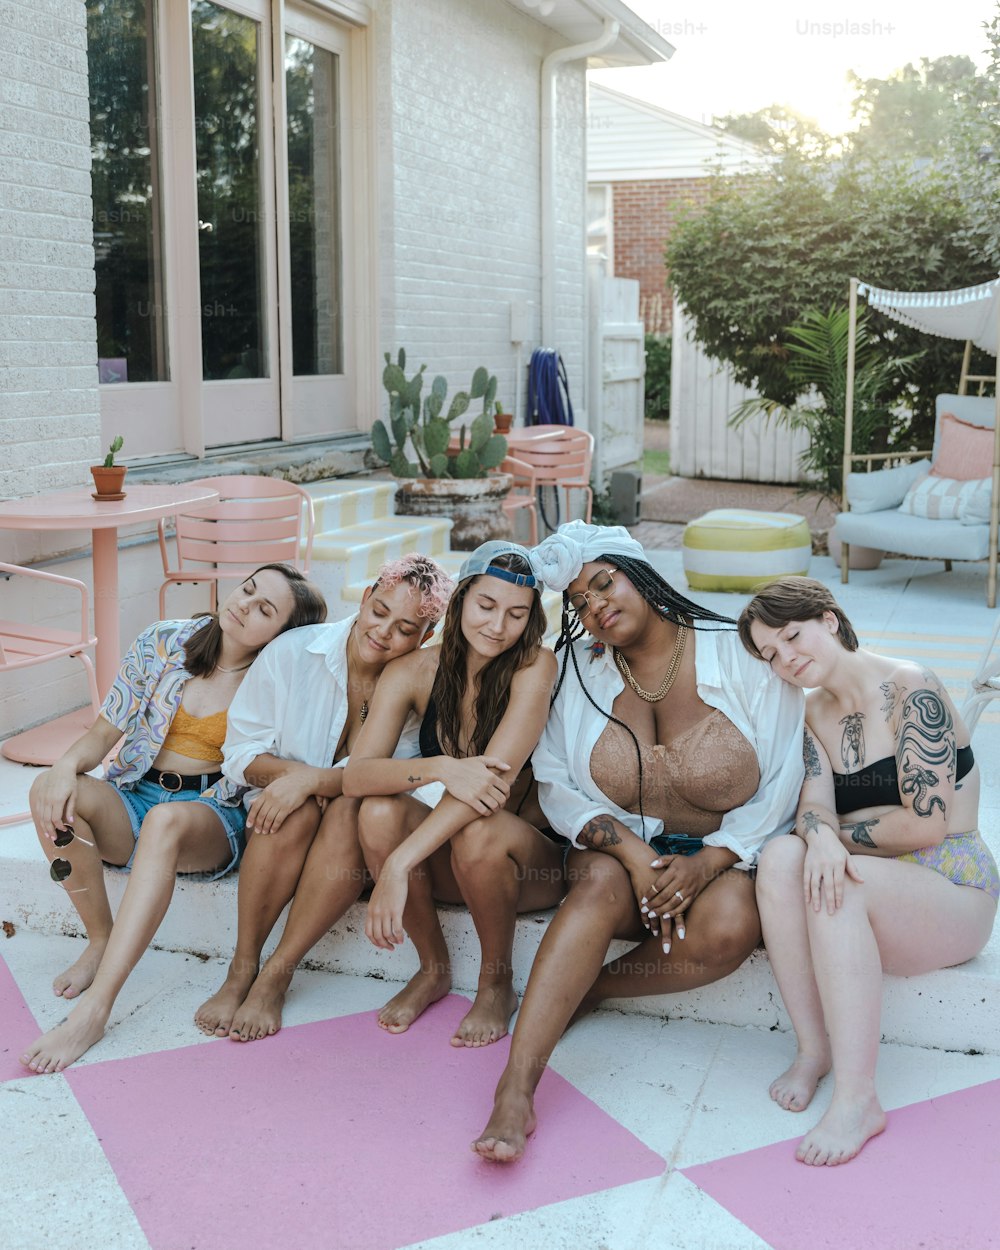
x: 550, y: 67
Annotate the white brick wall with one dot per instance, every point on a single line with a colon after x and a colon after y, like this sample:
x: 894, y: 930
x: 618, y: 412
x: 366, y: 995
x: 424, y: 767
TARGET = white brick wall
x: 49, y: 415
x: 49, y: 419
x: 461, y: 84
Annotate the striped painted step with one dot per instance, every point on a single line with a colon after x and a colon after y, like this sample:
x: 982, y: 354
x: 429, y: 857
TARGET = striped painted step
x: 356, y: 552
x: 340, y: 502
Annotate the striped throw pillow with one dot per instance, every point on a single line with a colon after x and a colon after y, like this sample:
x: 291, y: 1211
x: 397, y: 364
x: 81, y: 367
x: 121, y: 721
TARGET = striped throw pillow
x: 942, y: 498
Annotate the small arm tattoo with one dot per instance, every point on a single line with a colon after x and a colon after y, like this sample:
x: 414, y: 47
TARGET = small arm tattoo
x: 891, y: 693
x: 810, y: 822
x: 810, y: 756
x: 860, y: 832
x: 413, y: 780
x: 599, y: 833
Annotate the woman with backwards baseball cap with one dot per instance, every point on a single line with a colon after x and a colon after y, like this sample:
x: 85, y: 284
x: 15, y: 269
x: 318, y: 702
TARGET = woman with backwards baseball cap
x: 483, y: 696
x: 668, y: 758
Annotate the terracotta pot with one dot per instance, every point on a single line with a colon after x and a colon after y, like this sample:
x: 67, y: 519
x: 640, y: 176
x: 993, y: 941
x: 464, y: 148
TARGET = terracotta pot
x: 108, y: 483
x: 474, y: 505
x: 857, y: 557
x: 502, y: 421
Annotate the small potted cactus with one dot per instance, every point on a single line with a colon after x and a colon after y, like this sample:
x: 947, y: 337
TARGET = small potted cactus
x: 110, y: 477
x: 502, y: 421
x: 453, y: 476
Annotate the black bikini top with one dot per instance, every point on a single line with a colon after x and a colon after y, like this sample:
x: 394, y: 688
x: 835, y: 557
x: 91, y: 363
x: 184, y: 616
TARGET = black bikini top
x: 429, y: 744
x: 877, y: 785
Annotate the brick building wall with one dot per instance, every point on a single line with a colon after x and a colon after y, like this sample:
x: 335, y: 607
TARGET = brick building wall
x: 644, y: 215
x: 461, y: 214
x: 49, y: 418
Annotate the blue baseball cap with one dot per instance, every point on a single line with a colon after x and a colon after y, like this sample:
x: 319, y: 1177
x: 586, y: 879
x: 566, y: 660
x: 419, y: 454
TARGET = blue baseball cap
x: 481, y: 561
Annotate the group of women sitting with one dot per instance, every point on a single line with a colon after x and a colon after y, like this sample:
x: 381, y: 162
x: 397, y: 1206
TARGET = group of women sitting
x: 661, y: 777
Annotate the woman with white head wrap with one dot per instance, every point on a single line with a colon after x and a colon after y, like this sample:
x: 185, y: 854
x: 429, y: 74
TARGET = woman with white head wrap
x: 668, y: 758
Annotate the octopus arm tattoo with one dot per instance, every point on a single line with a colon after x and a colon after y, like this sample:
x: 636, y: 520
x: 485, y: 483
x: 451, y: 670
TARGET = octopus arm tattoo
x: 852, y: 744
x: 810, y: 756
x: 599, y: 833
x: 926, y: 750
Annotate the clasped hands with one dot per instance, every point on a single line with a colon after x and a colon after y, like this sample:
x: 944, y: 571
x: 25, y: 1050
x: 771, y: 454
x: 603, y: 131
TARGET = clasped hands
x: 663, y: 901
x: 281, y: 797
x: 476, y: 781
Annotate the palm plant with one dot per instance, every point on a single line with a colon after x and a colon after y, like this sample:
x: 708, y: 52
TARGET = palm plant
x: 817, y: 365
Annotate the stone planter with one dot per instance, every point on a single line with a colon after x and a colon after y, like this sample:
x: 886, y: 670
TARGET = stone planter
x: 474, y: 505
x: 857, y: 557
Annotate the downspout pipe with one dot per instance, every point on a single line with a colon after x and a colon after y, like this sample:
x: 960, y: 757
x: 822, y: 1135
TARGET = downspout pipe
x: 550, y: 68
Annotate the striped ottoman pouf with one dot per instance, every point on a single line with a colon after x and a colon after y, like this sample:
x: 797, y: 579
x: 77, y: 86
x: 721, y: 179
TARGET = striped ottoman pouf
x: 739, y: 549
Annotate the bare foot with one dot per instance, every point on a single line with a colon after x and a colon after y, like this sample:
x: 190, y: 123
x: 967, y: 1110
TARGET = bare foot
x: 260, y: 1014
x: 64, y: 1044
x: 794, y: 1089
x: 78, y: 976
x: 841, y: 1133
x: 413, y: 1000
x: 487, y: 1019
x: 513, y: 1121
x: 215, y: 1015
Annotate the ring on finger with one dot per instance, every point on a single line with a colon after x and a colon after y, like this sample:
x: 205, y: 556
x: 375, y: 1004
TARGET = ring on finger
x: 678, y: 894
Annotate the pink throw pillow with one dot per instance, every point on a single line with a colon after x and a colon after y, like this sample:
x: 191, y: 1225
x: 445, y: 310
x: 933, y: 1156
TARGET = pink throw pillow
x: 965, y: 450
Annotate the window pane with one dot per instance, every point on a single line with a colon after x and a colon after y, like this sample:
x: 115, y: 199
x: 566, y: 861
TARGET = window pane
x: 314, y: 207
x: 226, y: 106
x: 125, y: 182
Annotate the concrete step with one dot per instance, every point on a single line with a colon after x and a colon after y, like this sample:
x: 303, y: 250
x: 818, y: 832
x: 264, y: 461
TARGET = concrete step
x: 341, y: 502
x: 954, y: 1009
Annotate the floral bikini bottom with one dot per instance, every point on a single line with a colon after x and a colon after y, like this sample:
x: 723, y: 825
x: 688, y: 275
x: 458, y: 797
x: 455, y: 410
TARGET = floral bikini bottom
x: 963, y: 858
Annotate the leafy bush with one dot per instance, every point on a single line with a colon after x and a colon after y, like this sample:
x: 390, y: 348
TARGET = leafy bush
x: 658, y: 354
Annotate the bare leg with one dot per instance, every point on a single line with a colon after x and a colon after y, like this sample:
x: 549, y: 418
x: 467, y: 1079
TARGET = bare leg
x: 786, y: 936
x: 600, y: 905
x: 331, y: 881
x: 269, y: 874
x: 101, y: 819
x: 502, y: 865
x: 383, y: 824
x: 186, y: 837
x: 906, y: 919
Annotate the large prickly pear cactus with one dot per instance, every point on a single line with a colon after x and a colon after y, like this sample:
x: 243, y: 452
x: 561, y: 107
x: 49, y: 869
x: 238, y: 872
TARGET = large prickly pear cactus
x: 421, y: 425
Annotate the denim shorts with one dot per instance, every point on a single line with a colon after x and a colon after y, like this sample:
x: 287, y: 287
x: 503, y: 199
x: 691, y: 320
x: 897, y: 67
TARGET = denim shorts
x: 144, y: 795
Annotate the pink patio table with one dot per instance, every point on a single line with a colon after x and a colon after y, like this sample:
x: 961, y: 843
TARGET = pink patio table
x: 77, y: 509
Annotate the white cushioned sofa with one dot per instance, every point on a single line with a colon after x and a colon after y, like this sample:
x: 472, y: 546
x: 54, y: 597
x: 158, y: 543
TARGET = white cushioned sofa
x: 876, y: 520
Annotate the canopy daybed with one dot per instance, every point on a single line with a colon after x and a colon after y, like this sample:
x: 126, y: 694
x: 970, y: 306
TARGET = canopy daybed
x: 875, y: 502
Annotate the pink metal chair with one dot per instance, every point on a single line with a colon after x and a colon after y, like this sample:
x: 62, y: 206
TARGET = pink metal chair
x: 23, y: 645
x: 559, y: 456
x: 255, y: 521
x: 522, y: 493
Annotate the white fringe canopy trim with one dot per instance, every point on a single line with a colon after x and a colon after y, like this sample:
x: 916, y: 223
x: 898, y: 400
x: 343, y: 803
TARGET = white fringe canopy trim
x: 966, y: 313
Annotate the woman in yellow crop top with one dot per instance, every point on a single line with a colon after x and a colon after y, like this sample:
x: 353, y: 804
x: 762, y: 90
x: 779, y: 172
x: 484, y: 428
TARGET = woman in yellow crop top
x: 888, y: 871
x: 163, y: 806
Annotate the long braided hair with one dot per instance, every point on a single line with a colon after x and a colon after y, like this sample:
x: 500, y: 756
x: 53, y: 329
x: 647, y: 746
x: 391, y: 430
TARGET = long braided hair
x: 665, y: 601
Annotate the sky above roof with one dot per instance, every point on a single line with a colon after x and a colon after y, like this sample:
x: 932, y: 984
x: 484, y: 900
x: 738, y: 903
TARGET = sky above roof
x: 736, y: 58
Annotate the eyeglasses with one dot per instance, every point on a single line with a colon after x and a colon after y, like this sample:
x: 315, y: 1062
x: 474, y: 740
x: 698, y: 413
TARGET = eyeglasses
x: 600, y: 586
x: 60, y: 869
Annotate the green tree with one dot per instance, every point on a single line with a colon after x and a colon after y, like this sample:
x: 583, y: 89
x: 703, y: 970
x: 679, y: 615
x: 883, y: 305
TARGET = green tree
x: 915, y: 112
x: 778, y: 129
x: 974, y: 160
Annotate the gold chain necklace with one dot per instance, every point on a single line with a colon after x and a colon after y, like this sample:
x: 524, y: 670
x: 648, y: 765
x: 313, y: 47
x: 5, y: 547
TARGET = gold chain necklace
x: 363, y: 714
x: 671, y: 673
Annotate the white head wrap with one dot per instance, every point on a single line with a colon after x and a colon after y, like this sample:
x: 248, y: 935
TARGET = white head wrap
x: 560, y: 557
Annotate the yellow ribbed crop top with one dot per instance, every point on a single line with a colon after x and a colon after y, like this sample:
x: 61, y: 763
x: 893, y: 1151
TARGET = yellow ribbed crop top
x: 197, y: 737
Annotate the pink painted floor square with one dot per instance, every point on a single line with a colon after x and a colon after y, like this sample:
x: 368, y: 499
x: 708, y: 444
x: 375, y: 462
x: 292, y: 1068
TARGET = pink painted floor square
x: 337, y: 1134
x: 928, y: 1181
x: 18, y: 1028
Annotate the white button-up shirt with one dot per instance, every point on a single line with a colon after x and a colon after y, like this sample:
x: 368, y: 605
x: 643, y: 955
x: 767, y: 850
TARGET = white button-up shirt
x: 767, y: 711
x: 293, y: 704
